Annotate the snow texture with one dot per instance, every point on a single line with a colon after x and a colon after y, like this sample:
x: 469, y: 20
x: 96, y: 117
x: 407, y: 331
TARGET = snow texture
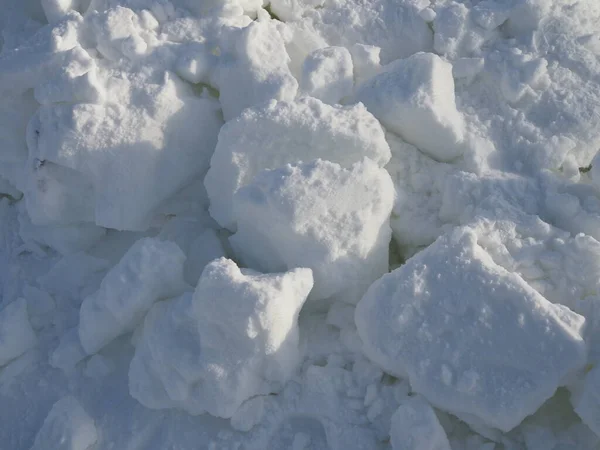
x: 280, y: 133
x: 322, y: 216
x: 474, y: 339
x: 236, y: 337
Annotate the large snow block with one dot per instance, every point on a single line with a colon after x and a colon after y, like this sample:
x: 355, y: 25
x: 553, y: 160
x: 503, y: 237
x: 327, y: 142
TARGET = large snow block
x: 281, y: 133
x: 322, y: 216
x: 150, y: 270
x: 414, y: 97
x: 126, y: 158
x: 236, y: 337
x: 474, y: 339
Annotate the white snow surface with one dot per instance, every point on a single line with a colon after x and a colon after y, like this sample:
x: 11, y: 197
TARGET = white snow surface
x: 299, y: 224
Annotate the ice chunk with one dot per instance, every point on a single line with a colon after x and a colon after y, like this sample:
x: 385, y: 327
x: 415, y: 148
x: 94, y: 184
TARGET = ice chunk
x: 134, y: 155
x: 318, y: 215
x: 327, y: 74
x: 150, y: 270
x: 474, y: 339
x: 256, y: 70
x: 236, y: 337
x: 586, y: 400
x: 16, y: 334
x: 414, y: 98
x: 416, y: 427
x: 67, y: 427
x: 287, y: 132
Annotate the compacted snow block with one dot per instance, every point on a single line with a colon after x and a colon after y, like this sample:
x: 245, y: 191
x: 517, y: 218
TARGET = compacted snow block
x: 279, y: 133
x: 474, y: 339
x: 67, y: 427
x: 124, y: 159
x: 416, y: 427
x: 322, y: 216
x: 236, y: 337
x: 327, y: 74
x: 16, y: 334
x: 414, y: 97
x: 150, y: 270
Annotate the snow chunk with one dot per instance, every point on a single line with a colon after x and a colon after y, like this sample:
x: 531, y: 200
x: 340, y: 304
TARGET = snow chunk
x: 287, y: 132
x: 128, y: 158
x: 474, y: 339
x: 67, y: 427
x: 56, y: 9
x: 416, y: 427
x: 366, y: 62
x: 318, y: 215
x: 254, y: 70
x: 414, y: 98
x: 327, y: 74
x: 16, y: 334
x: 236, y: 337
x: 150, y: 270
x: 586, y: 401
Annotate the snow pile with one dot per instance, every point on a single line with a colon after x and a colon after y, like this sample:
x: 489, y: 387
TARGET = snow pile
x: 236, y: 337
x: 321, y: 216
x: 338, y: 224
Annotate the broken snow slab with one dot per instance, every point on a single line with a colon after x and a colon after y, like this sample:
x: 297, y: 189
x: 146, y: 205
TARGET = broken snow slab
x: 474, y: 339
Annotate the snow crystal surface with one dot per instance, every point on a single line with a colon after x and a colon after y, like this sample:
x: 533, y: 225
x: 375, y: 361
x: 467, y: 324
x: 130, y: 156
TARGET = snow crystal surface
x: 322, y: 216
x: 474, y: 339
x: 236, y: 337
